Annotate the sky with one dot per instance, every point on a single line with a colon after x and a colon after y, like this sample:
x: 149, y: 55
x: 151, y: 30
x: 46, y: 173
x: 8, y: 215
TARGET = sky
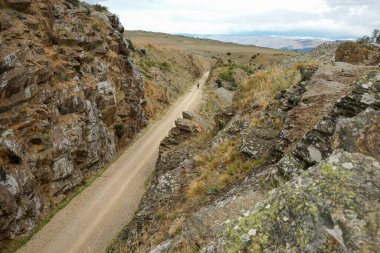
x: 331, y: 19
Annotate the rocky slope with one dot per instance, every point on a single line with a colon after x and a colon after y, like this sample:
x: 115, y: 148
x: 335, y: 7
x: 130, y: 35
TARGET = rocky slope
x: 168, y: 73
x: 70, y: 99
x: 297, y: 171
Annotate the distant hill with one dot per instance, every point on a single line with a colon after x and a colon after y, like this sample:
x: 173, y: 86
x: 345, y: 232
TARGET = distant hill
x: 207, y: 48
x: 284, y: 43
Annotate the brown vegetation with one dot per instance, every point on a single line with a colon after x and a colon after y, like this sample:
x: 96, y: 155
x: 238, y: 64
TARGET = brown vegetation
x: 261, y: 87
x: 219, y: 168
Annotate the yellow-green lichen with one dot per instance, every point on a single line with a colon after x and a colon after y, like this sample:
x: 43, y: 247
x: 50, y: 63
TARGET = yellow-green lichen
x: 298, y: 215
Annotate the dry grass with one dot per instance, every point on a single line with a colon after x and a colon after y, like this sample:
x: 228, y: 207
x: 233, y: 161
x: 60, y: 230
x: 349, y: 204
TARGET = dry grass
x: 209, y: 49
x: 176, y: 227
x: 218, y: 169
x: 259, y: 120
x: 277, y: 123
x: 196, y: 188
x: 262, y: 86
x: 256, y: 120
x: 310, y: 63
x: 186, y: 247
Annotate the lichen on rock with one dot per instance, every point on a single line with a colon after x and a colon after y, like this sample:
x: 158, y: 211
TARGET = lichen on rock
x: 330, y: 208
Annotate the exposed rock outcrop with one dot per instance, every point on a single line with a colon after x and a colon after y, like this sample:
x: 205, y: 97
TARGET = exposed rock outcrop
x: 319, y: 144
x: 333, y: 207
x: 315, y: 188
x: 356, y: 53
x: 70, y: 98
x: 184, y: 128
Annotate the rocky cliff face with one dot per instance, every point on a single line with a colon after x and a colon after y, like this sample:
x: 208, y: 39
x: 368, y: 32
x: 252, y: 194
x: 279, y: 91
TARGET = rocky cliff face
x: 300, y: 174
x: 70, y: 98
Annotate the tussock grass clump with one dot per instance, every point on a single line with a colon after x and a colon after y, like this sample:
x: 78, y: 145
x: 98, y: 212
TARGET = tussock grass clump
x: 196, y: 188
x: 310, y: 63
x: 262, y: 86
x: 219, y: 168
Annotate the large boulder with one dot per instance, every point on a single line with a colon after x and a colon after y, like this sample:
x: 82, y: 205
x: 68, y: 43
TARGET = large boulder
x: 256, y: 142
x: 184, y: 128
x: 355, y: 53
x: 359, y: 134
x: 333, y: 207
x: 196, y: 118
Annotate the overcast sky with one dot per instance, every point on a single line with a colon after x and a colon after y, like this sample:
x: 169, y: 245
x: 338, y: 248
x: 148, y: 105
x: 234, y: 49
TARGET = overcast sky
x: 334, y: 19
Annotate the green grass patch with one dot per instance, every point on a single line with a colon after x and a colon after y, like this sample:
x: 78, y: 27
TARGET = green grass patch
x: 227, y: 75
x: 147, y: 64
x: 73, y: 2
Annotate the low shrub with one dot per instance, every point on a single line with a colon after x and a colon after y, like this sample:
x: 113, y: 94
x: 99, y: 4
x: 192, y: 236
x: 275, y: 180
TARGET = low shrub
x: 99, y: 7
x: 368, y: 39
x: 130, y: 45
x: 73, y: 2
x: 96, y: 27
x: 219, y: 83
x: 119, y: 130
x: 164, y: 66
x: 148, y: 63
x: 227, y: 75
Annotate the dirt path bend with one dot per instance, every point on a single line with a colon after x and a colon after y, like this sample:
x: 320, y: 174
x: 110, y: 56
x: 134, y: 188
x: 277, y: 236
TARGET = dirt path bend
x: 91, y: 220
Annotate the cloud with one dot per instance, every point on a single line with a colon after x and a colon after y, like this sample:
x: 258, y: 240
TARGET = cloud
x: 323, y: 18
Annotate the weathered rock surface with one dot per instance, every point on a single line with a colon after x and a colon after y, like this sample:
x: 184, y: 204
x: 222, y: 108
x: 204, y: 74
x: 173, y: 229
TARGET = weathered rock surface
x: 316, y: 98
x: 184, y: 128
x: 333, y: 207
x: 359, y: 134
x: 173, y: 168
x: 210, y: 221
x: 66, y: 85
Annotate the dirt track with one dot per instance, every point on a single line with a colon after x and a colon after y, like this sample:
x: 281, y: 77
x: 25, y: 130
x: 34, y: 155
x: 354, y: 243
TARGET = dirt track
x: 91, y: 220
